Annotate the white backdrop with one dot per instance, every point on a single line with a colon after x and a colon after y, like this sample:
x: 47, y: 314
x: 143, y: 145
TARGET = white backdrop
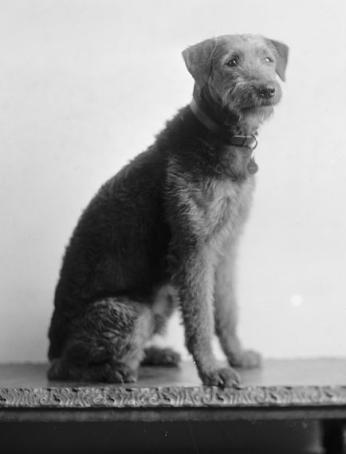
x: 85, y: 85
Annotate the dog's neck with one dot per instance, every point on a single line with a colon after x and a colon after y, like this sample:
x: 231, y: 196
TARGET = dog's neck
x: 235, y: 128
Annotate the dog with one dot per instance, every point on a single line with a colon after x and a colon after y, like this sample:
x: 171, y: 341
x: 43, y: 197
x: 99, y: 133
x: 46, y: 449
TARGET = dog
x: 163, y: 232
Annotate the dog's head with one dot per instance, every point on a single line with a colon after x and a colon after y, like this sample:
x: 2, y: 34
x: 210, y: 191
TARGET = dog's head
x: 240, y: 72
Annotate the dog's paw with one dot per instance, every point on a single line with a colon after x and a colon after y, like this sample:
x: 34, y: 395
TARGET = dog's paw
x: 164, y: 357
x: 121, y: 373
x: 223, y: 377
x: 246, y: 359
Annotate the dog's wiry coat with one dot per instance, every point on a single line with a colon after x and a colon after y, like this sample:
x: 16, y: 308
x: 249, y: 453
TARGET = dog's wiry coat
x: 163, y: 231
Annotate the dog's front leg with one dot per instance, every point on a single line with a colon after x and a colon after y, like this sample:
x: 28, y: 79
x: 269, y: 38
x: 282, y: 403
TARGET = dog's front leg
x: 195, y: 281
x: 226, y: 313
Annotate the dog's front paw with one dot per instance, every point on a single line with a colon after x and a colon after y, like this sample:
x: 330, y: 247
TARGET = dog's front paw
x: 246, y: 359
x: 121, y: 373
x: 222, y: 377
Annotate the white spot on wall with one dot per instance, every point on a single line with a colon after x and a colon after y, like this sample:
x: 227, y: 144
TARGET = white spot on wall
x: 296, y: 300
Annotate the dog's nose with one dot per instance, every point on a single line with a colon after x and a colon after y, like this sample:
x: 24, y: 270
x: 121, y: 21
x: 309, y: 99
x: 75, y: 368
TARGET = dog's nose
x: 266, y: 91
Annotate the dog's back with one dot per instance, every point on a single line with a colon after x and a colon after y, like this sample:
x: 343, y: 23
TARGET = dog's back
x: 118, y: 247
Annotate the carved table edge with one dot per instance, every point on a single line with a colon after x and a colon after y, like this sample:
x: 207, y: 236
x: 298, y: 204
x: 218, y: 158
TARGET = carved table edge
x: 171, y: 397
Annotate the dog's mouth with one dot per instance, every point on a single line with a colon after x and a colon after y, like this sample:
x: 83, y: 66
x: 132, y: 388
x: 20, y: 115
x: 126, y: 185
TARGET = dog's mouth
x: 268, y: 102
x: 258, y: 103
x: 258, y: 108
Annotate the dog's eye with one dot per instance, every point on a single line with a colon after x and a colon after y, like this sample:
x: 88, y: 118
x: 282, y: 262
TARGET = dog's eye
x: 234, y: 61
x: 269, y: 60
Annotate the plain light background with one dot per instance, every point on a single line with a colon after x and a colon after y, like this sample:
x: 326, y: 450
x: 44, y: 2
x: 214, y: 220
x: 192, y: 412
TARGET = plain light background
x: 85, y: 86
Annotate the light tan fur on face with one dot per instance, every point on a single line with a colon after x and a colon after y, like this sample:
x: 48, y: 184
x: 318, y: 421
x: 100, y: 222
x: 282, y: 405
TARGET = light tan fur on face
x: 204, y: 58
x: 234, y: 88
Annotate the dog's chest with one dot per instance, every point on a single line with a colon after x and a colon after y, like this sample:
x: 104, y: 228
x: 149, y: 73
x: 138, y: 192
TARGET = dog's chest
x: 219, y: 207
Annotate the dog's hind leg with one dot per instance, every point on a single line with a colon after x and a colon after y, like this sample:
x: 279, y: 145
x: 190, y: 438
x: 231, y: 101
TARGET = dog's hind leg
x: 107, y: 343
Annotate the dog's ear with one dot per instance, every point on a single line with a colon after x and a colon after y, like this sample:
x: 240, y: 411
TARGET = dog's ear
x: 281, y: 52
x: 198, y: 60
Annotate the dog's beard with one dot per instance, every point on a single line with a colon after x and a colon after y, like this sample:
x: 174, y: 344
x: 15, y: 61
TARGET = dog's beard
x: 261, y: 112
x: 238, y: 108
x: 255, y: 116
x: 242, y: 102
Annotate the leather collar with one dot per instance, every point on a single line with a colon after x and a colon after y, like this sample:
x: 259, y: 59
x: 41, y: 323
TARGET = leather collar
x: 247, y: 141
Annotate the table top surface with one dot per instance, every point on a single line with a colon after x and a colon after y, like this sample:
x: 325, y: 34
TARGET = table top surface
x: 279, y: 383
x: 275, y: 372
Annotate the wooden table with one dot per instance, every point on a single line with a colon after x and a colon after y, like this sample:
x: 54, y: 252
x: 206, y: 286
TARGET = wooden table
x: 282, y: 390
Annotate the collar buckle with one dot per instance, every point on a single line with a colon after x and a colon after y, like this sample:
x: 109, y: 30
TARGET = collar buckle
x: 253, y: 143
x: 250, y: 141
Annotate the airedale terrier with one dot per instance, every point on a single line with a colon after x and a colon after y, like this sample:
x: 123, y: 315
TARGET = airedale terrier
x: 163, y: 232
